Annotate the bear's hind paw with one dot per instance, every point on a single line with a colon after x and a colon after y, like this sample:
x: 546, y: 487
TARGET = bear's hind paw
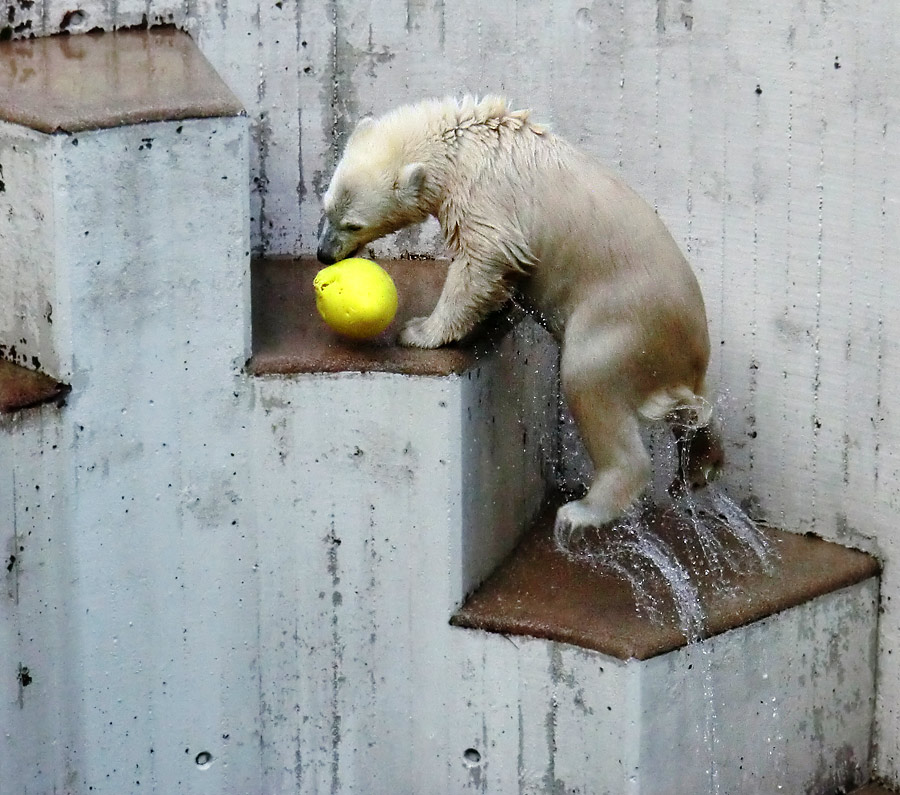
x: 574, y: 520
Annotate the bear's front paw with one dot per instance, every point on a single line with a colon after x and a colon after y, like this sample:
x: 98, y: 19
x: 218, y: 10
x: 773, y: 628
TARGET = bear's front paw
x: 417, y: 334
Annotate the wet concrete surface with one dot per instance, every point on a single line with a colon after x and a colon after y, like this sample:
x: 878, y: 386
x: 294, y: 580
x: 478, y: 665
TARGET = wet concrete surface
x: 289, y: 336
x: 96, y: 80
x: 21, y: 388
x: 541, y: 592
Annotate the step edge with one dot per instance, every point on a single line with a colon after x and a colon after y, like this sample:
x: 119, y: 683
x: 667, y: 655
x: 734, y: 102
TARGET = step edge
x: 23, y: 388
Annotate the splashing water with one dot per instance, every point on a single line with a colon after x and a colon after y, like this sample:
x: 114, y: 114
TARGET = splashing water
x: 642, y: 558
x: 716, y: 540
x: 682, y: 589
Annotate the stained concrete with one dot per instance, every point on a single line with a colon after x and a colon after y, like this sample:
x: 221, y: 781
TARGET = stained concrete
x: 98, y: 80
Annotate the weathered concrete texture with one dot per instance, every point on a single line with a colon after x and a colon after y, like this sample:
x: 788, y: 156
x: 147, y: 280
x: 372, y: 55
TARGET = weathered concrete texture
x: 146, y: 234
x: 785, y: 704
x: 75, y: 83
x: 38, y: 664
x: 21, y: 387
x: 28, y: 249
x: 542, y: 592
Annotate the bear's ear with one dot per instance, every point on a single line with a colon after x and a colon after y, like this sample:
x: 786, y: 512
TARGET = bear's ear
x: 411, y: 181
x: 365, y: 123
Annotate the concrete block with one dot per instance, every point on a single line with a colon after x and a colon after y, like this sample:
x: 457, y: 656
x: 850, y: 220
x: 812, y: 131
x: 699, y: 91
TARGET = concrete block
x: 123, y: 177
x: 124, y: 270
x: 778, y: 697
x: 387, y: 499
x: 780, y: 705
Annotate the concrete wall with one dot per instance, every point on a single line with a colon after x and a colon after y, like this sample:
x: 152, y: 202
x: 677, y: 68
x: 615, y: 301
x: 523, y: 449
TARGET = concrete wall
x: 766, y: 134
x: 129, y: 575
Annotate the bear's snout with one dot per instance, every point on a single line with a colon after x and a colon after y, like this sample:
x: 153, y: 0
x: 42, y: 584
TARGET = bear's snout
x: 329, y: 246
x: 324, y: 256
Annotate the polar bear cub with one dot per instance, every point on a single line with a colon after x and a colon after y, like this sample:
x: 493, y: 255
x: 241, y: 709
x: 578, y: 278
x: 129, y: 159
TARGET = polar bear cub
x: 527, y: 215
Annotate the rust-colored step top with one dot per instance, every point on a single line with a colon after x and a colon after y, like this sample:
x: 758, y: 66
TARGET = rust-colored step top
x: 97, y: 80
x: 873, y: 789
x: 541, y: 592
x: 290, y: 337
x: 21, y: 388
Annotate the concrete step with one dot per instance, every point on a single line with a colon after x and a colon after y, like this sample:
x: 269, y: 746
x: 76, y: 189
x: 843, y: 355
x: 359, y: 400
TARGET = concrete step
x: 542, y: 592
x: 873, y: 789
x: 96, y: 134
x: 22, y: 388
x: 490, y: 452
x: 125, y: 657
x: 289, y: 337
x: 778, y: 697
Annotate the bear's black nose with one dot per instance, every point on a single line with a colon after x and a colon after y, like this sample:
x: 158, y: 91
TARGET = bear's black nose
x: 325, y: 257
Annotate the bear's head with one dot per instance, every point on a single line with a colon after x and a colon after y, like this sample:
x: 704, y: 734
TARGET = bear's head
x: 375, y: 190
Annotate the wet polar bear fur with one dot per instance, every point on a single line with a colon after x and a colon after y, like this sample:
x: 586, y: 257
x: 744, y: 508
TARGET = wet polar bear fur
x: 527, y: 215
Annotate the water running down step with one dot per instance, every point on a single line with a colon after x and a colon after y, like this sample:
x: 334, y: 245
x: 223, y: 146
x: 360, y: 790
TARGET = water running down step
x: 541, y: 592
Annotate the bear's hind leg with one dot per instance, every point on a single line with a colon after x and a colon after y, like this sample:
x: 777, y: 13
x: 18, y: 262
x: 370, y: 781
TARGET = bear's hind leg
x: 611, y: 432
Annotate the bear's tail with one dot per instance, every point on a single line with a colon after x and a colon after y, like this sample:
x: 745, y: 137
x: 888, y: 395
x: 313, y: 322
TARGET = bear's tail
x: 679, y: 405
x: 689, y: 415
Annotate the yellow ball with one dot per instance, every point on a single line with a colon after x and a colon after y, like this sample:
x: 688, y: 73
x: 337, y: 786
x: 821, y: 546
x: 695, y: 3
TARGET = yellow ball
x: 356, y: 297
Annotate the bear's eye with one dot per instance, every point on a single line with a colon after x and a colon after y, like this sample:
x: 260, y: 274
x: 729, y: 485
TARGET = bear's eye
x: 352, y: 227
